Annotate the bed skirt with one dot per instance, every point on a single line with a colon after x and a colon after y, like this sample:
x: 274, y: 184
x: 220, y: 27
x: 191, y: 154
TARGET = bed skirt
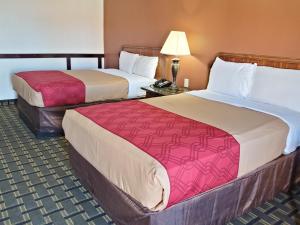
x: 217, y: 206
x: 47, y: 121
x: 296, y: 175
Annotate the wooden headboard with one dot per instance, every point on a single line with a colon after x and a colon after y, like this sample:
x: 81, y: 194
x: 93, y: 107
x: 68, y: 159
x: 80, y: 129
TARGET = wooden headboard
x: 67, y: 56
x: 148, y: 51
x: 261, y: 60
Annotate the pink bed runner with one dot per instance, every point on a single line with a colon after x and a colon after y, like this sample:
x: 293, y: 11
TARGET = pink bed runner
x: 56, y: 87
x: 197, y: 156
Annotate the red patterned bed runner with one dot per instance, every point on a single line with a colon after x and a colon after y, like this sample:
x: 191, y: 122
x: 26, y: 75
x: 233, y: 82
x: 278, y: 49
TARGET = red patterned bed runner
x: 56, y: 87
x: 197, y: 156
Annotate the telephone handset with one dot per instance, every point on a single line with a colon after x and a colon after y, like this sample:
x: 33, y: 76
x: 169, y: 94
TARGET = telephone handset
x: 162, y: 83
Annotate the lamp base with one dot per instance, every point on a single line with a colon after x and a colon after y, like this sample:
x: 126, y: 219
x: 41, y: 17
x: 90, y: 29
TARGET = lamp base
x: 175, y: 69
x: 174, y: 86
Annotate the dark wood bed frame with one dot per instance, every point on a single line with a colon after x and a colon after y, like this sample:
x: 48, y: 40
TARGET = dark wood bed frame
x: 67, y: 56
x: 46, y: 122
x: 216, y: 206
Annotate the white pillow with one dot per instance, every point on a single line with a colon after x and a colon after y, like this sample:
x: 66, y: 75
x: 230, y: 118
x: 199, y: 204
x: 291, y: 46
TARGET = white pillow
x: 127, y: 61
x: 145, y: 66
x: 231, y: 78
x: 277, y: 86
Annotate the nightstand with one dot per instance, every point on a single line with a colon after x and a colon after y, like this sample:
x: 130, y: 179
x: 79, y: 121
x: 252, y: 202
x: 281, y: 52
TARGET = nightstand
x: 152, y: 91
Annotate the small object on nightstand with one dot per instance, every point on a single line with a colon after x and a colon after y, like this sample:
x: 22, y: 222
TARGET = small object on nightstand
x: 162, y: 83
x: 152, y: 91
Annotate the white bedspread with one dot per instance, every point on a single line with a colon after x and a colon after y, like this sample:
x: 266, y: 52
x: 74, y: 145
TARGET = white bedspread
x: 135, y: 82
x: 291, y: 118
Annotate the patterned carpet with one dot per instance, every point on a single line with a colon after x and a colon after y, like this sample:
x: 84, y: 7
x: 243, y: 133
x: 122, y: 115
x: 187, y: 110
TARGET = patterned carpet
x: 37, y: 185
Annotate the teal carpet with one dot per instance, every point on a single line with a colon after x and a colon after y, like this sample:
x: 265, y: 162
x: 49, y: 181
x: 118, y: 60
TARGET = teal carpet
x: 37, y: 185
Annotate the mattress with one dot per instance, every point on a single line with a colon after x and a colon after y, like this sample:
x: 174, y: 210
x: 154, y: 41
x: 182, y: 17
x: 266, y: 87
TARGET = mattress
x: 105, y: 84
x: 262, y: 138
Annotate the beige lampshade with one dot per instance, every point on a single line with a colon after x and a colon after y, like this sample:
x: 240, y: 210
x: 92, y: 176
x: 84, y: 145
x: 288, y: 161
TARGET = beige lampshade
x: 176, y: 44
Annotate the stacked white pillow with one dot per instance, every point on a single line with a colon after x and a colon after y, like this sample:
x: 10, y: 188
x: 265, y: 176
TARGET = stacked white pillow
x: 258, y: 83
x: 277, y: 86
x: 145, y: 66
x: 137, y: 64
x: 127, y: 61
x: 231, y: 78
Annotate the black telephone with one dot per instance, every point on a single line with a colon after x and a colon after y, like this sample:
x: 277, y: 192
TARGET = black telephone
x: 162, y: 83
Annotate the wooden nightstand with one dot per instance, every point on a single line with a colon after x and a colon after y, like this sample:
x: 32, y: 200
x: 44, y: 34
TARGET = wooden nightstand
x: 152, y: 91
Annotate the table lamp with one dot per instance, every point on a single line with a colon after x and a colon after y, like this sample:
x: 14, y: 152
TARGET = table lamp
x: 176, y: 45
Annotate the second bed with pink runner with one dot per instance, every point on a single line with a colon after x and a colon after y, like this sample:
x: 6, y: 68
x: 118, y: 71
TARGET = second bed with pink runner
x: 162, y: 151
x: 60, y: 88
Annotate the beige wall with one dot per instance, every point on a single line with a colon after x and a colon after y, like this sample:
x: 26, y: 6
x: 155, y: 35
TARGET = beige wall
x: 51, y: 26
x: 269, y: 27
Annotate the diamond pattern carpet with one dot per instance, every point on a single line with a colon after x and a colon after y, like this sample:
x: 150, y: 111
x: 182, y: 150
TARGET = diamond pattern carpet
x: 37, y: 185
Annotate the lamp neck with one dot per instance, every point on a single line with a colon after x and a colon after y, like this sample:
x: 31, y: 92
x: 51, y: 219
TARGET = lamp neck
x: 176, y: 60
x: 175, y: 69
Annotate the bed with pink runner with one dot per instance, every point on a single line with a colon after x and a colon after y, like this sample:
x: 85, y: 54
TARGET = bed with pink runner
x: 43, y: 96
x: 196, y: 156
x: 173, y: 152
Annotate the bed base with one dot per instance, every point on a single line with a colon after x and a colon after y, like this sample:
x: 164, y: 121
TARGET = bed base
x: 46, y: 122
x: 217, y: 206
x: 296, y: 174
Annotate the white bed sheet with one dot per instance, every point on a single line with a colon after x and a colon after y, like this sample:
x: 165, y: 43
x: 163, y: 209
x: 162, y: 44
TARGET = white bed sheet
x: 135, y: 82
x: 290, y: 117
